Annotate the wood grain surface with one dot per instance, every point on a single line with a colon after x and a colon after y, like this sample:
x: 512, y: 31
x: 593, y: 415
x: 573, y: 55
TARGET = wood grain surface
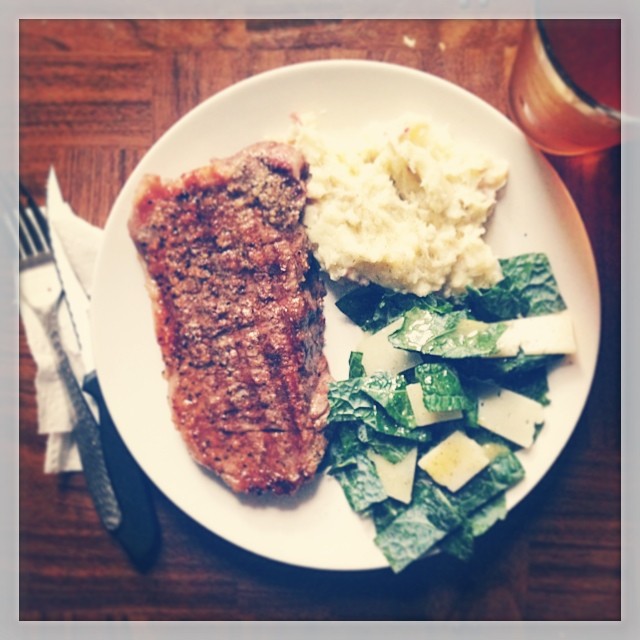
x: 94, y: 96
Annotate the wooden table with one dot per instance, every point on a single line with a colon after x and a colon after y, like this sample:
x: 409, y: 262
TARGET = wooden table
x: 94, y: 96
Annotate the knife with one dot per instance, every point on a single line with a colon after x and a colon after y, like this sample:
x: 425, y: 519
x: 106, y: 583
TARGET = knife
x: 132, y: 521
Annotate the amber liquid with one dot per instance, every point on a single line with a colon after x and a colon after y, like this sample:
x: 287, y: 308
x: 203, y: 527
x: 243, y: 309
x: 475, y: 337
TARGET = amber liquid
x: 565, y: 86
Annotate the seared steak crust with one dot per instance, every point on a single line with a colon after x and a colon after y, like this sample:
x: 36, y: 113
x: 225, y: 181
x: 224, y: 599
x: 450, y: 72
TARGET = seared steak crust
x: 238, y: 313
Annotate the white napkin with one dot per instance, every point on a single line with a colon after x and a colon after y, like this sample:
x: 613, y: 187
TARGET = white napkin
x: 81, y: 241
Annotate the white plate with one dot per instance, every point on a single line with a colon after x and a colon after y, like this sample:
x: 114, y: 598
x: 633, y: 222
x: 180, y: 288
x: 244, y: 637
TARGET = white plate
x: 317, y: 528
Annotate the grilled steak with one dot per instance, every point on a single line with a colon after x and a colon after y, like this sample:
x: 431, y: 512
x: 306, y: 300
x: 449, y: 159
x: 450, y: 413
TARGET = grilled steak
x: 238, y: 314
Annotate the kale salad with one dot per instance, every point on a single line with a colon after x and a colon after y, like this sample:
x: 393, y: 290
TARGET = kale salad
x: 442, y: 393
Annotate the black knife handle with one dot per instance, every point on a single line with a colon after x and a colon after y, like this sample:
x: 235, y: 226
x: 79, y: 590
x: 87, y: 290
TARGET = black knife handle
x: 139, y: 531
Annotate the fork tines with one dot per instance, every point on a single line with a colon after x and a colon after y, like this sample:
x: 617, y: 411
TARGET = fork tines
x: 33, y: 229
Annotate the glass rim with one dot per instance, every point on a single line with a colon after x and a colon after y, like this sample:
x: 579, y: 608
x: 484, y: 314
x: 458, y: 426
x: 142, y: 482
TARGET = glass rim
x: 566, y: 78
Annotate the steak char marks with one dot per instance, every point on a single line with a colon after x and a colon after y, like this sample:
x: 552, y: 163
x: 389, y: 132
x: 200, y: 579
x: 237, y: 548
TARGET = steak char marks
x: 238, y: 314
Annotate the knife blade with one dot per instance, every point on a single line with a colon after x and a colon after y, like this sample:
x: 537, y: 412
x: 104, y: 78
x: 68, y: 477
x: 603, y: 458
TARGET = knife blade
x: 137, y: 528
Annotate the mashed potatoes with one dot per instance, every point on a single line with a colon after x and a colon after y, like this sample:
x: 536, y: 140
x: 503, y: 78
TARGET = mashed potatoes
x: 401, y: 204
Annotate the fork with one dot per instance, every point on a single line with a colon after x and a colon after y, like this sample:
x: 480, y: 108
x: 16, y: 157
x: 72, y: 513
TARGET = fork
x: 40, y: 288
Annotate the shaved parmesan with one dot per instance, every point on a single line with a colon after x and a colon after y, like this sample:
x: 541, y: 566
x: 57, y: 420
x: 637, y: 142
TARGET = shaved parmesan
x: 537, y: 335
x: 422, y: 415
x: 396, y: 479
x: 510, y: 415
x: 378, y: 354
x: 454, y: 461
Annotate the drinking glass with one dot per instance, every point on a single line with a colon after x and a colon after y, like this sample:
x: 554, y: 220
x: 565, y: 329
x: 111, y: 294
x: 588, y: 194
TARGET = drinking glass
x: 565, y: 87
